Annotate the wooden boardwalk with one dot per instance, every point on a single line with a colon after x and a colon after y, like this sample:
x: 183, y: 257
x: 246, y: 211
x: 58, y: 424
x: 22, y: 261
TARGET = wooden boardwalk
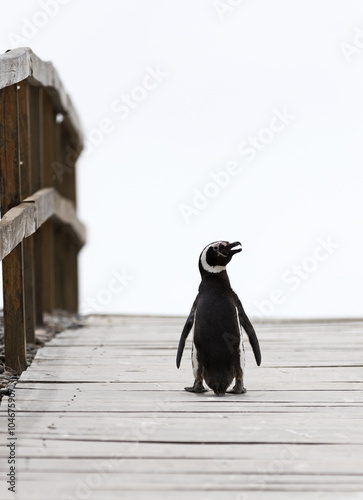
x: 102, y: 414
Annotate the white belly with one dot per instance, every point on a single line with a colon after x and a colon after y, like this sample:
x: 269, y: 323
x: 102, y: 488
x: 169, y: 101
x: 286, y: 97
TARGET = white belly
x: 194, y: 356
x: 241, y: 346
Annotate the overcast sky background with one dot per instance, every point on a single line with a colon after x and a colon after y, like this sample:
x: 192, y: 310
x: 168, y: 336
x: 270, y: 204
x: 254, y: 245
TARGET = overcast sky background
x: 261, y: 97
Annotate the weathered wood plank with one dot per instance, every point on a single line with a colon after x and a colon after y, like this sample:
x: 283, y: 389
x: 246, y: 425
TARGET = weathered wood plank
x: 74, y: 491
x: 209, y: 482
x: 49, y: 203
x: 282, y: 378
x: 23, y: 220
x: 21, y: 63
x: 292, y: 465
x: 297, y: 384
x: 198, y: 429
x: 90, y: 397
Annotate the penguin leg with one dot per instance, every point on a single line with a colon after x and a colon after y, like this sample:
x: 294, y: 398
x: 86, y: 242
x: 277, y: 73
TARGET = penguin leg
x: 198, y: 387
x: 238, y: 386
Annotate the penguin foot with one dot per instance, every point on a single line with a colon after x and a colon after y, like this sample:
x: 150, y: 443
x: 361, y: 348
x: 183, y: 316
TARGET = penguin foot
x: 198, y: 387
x: 238, y: 388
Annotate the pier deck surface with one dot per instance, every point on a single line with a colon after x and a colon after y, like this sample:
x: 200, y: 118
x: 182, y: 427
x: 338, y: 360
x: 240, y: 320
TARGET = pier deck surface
x: 102, y: 414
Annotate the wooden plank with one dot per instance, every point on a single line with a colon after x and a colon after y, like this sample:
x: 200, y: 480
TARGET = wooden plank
x: 18, y: 64
x: 26, y: 190
x: 60, y: 448
x: 212, y: 465
x: 23, y: 220
x: 174, y: 410
x: 13, y: 289
x: 203, y: 482
x: 91, y: 395
x: 260, y: 377
x: 160, y: 427
x: 72, y: 492
x: 49, y: 203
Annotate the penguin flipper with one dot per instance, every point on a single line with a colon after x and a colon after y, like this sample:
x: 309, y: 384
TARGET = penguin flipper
x: 247, y: 326
x: 187, y: 327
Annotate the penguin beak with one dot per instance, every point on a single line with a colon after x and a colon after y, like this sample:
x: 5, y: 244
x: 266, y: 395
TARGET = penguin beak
x: 230, y: 250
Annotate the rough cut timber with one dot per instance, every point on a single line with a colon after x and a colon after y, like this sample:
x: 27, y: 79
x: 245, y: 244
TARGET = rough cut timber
x: 19, y: 64
x: 24, y: 219
x: 102, y: 415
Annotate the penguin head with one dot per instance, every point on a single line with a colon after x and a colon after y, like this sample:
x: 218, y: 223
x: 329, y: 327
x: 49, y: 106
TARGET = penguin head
x: 215, y: 256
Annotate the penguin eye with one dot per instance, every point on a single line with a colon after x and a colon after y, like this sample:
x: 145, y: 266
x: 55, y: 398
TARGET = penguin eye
x: 219, y: 246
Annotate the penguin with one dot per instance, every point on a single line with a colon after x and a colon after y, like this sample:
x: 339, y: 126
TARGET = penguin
x: 216, y: 319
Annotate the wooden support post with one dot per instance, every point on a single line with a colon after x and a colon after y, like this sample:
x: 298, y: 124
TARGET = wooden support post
x: 14, y: 331
x: 71, y: 250
x: 36, y: 150
x: 71, y: 155
x: 71, y: 282
x: 48, y: 227
x: 66, y: 250
x: 26, y: 190
x: 59, y: 181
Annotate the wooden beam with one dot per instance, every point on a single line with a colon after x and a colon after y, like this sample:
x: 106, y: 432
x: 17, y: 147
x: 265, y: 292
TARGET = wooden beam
x: 13, y: 289
x: 24, y: 220
x: 21, y: 63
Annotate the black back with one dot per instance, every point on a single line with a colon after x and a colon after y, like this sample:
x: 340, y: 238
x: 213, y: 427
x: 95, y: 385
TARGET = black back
x: 217, y: 315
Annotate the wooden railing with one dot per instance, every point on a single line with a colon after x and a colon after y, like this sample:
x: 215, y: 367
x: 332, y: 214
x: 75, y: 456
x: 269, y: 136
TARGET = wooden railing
x: 40, y: 235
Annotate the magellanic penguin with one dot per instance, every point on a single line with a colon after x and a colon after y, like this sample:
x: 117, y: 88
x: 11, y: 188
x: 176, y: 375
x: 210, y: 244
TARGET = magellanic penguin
x: 217, y: 318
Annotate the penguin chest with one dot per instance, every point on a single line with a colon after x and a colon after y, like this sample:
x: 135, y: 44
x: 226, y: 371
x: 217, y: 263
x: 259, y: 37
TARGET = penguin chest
x: 217, y: 335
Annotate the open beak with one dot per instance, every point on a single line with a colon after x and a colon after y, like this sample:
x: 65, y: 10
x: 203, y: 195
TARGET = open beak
x: 230, y: 248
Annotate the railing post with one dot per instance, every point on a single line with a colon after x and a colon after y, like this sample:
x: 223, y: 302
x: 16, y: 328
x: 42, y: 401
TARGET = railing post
x: 13, y: 289
x: 36, y: 151
x: 26, y: 190
x: 70, y: 155
x: 66, y: 251
x: 48, y: 227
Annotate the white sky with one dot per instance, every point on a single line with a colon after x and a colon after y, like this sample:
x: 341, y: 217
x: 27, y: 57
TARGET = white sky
x: 223, y: 78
